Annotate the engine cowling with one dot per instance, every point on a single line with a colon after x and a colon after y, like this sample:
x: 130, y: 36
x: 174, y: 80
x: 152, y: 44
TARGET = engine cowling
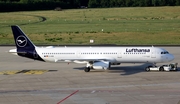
x: 99, y: 65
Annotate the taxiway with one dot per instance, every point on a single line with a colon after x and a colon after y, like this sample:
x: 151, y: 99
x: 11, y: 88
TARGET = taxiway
x: 25, y: 81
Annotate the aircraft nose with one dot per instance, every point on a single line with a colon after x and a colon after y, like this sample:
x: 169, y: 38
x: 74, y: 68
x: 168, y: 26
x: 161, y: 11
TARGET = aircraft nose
x: 171, y: 57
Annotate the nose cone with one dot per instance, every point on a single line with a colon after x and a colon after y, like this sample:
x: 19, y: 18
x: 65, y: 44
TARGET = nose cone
x: 170, y: 57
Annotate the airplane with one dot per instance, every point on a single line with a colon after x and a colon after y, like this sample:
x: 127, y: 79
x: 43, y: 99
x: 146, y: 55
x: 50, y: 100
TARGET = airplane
x: 98, y: 58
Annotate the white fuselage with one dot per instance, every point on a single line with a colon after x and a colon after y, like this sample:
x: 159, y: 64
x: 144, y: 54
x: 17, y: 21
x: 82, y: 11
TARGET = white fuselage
x: 111, y: 54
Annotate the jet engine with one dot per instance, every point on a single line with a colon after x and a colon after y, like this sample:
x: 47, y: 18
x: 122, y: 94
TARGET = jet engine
x: 101, y: 65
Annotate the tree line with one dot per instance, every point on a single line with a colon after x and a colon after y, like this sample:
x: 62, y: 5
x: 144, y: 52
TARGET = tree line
x: 23, y: 5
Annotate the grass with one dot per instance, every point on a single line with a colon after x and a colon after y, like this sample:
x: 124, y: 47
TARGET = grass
x: 122, y: 26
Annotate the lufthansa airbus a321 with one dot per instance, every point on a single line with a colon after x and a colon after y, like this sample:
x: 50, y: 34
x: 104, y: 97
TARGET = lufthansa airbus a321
x: 94, y: 57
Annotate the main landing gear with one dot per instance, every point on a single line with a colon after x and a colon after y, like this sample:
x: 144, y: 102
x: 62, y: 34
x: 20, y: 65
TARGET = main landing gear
x: 87, y: 69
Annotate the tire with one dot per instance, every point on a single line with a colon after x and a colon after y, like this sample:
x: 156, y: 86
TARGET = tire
x: 147, y: 69
x: 87, y: 69
x: 161, y: 69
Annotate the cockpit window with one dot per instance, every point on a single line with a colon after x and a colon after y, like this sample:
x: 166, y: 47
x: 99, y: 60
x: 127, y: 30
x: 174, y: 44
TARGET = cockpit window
x: 165, y: 52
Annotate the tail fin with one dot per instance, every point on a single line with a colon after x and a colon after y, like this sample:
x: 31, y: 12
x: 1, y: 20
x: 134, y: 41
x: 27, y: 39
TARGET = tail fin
x: 21, y: 40
x: 25, y: 47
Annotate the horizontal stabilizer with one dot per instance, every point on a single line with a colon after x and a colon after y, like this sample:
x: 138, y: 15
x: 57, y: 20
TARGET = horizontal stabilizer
x: 15, y: 51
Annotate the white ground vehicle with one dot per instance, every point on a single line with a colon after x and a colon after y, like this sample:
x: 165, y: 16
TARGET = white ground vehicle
x: 170, y: 67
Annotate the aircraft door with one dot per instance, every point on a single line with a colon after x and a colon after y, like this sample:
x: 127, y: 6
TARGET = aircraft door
x: 153, y: 53
x: 78, y: 53
x: 119, y: 54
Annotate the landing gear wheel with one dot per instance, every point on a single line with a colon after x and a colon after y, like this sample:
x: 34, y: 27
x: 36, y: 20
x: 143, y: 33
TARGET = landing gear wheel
x: 87, y: 69
x: 161, y: 69
x: 147, y: 69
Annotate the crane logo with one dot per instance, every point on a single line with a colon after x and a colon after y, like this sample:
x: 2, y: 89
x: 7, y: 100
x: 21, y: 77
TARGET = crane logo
x: 21, y: 41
